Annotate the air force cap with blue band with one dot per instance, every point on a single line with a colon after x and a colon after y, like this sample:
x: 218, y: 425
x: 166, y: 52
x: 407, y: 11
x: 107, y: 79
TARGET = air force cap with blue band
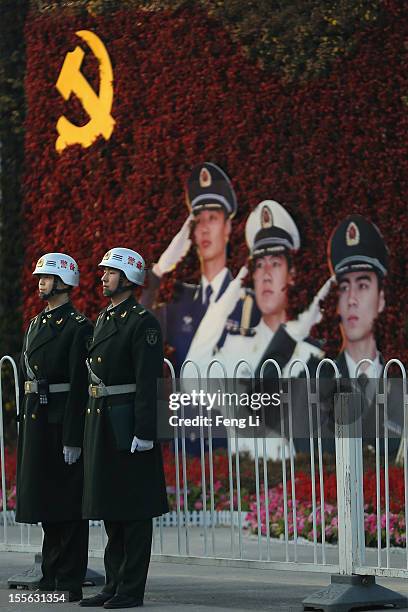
x: 209, y: 188
x: 357, y: 245
x: 270, y: 230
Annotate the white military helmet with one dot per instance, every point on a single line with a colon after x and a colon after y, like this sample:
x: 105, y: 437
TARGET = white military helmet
x: 131, y: 263
x: 271, y: 230
x: 59, y: 264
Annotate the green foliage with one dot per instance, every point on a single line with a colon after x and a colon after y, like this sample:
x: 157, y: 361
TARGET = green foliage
x: 12, y: 108
x: 299, y: 39
x: 98, y: 7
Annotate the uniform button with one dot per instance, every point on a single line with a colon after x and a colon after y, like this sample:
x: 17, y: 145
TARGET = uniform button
x: 33, y: 416
x: 24, y: 416
x: 98, y: 410
x: 107, y: 318
x: 36, y: 367
x: 89, y: 411
x: 44, y: 320
x: 90, y: 360
x: 99, y: 359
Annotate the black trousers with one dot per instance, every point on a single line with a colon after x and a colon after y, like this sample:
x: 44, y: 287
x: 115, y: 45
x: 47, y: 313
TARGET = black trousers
x: 127, y: 557
x: 64, y: 555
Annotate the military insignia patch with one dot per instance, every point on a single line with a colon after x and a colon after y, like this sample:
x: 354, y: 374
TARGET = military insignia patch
x: 106, y: 256
x: 205, y: 178
x: 152, y: 336
x: 352, y: 234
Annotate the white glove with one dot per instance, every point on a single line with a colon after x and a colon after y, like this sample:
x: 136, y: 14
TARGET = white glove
x: 213, y: 323
x: 141, y: 445
x: 71, y: 454
x: 227, y: 302
x: 300, y: 328
x: 176, y: 250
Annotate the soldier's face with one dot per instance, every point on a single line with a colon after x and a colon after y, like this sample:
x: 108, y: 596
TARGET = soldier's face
x: 45, y: 285
x: 211, y: 233
x: 271, y: 279
x: 110, y: 281
x: 359, y: 304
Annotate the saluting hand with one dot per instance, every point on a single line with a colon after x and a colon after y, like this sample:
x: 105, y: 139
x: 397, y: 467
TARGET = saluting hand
x: 176, y: 250
x: 228, y: 300
x: 300, y: 327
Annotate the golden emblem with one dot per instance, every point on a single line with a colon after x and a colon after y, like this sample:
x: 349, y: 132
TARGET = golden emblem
x: 98, y: 106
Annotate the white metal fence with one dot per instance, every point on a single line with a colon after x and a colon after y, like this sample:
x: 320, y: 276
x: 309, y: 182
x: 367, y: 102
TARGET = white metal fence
x: 222, y: 537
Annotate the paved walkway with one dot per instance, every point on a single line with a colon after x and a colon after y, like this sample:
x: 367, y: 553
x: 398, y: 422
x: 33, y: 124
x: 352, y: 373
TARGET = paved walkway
x: 209, y: 586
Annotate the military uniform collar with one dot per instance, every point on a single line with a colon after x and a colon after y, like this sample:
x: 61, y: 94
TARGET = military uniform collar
x: 373, y: 371
x: 216, y: 284
x: 219, y: 284
x: 121, y: 311
x: 57, y: 317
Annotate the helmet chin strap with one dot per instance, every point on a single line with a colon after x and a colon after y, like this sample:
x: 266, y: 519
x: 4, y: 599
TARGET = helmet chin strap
x: 121, y: 288
x: 54, y: 290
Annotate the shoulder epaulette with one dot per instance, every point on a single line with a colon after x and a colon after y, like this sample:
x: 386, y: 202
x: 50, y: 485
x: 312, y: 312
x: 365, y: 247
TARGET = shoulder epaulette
x: 139, y: 310
x: 78, y: 317
x: 181, y: 287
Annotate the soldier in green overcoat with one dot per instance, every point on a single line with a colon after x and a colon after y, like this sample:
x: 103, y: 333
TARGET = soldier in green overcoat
x: 53, y: 381
x: 124, y: 479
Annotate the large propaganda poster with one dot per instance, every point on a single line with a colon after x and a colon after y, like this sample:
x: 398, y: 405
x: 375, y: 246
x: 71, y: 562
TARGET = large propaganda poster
x: 245, y: 178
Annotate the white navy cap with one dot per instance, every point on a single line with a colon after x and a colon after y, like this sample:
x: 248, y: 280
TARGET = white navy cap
x: 270, y: 230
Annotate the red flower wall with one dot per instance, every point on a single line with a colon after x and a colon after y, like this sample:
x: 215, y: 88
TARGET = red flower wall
x: 184, y: 93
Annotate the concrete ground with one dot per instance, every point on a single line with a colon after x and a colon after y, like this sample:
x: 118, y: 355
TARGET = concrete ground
x: 209, y: 586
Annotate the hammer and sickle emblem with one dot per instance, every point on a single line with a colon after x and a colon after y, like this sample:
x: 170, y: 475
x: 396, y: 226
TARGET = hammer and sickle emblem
x: 98, y: 106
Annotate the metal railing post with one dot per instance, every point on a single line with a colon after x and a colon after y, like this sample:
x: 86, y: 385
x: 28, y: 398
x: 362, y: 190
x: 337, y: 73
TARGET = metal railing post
x: 2, y: 453
x: 349, y: 484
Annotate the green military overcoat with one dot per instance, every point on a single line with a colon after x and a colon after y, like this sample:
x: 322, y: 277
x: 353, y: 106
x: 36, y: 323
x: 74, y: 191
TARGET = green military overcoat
x: 48, y: 489
x: 127, y: 348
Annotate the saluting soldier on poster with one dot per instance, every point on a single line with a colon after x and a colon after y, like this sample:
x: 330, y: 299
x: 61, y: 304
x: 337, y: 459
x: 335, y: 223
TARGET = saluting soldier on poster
x: 54, y: 394
x: 124, y: 478
x: 273, y: 239
x: 213, y: 203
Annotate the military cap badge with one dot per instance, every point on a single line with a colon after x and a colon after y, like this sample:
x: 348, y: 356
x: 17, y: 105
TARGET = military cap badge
x: 205, y: 178
x: 352, y: 234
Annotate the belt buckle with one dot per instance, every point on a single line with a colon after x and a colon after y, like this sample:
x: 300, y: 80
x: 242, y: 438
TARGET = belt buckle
x: 94, y: 391
x: 27, y: 387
